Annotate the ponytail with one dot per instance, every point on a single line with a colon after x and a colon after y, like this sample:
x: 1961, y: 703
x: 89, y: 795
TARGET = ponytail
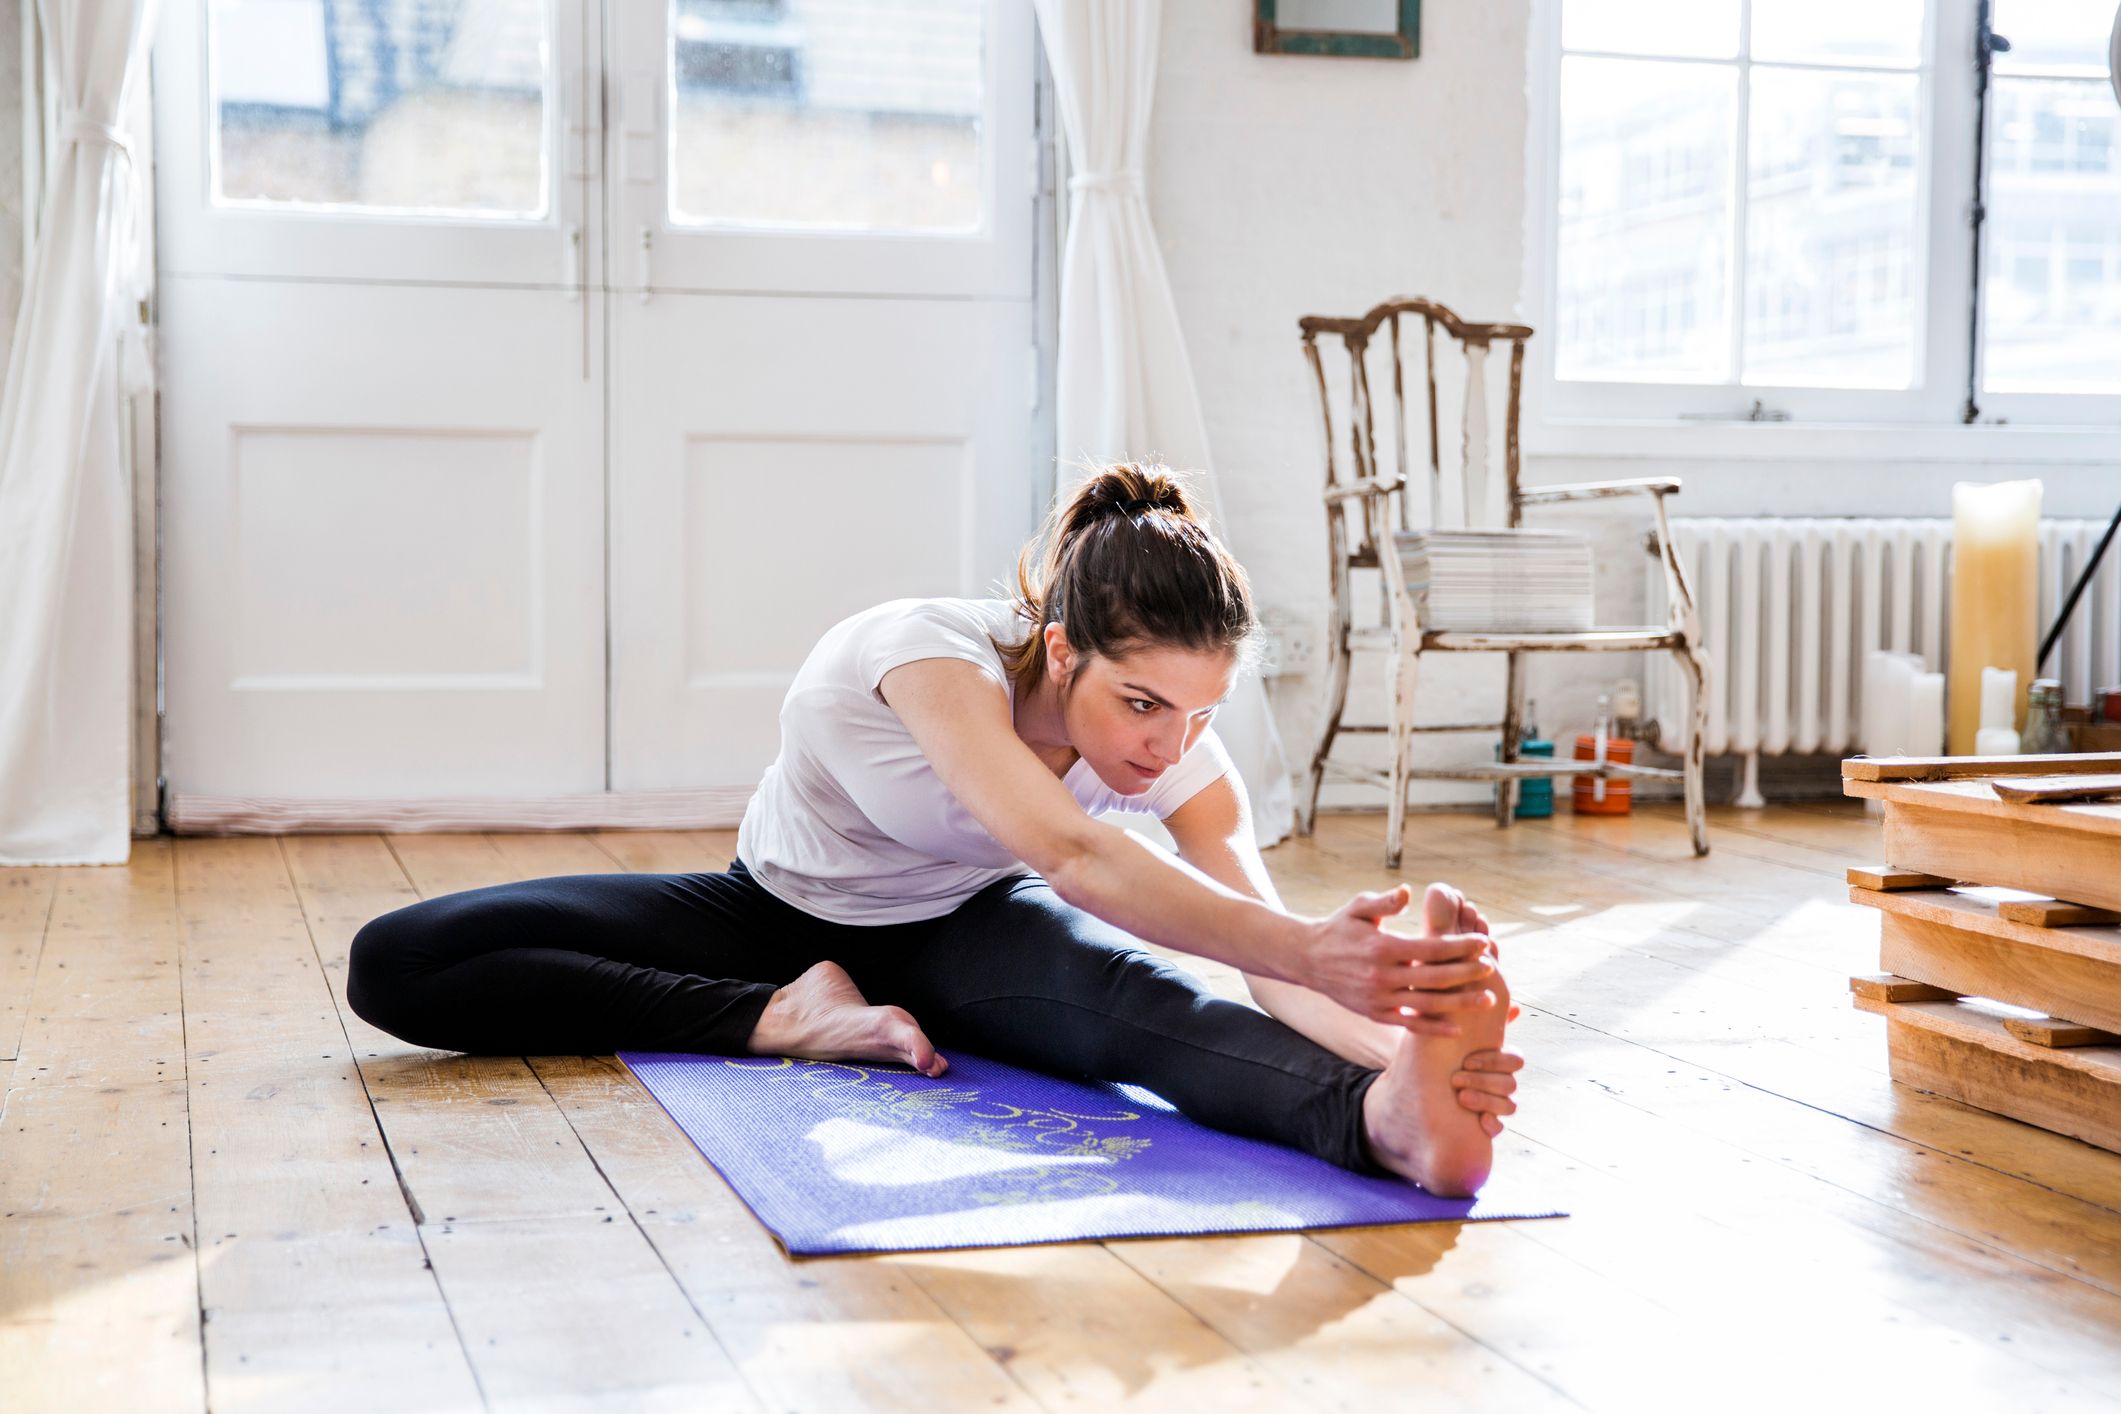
x: 1126, y: 563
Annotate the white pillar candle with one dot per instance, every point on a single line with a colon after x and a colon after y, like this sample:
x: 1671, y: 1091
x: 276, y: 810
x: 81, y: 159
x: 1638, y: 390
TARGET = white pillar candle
x: 1999, y: 698
x: 1925, y: 715
x: 1897, y: 686
x: 1872, y: 704
x: 1996, y: 741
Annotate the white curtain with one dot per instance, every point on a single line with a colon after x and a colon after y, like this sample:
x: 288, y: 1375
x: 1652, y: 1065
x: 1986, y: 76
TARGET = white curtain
x: 66, y: 540
x: 1126, y: 386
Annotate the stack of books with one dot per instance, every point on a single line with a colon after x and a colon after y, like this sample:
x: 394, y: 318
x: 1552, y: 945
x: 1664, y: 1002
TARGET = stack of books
x: 1498, y: 581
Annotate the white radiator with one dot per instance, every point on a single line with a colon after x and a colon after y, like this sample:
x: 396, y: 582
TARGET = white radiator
x: 1790, y: 607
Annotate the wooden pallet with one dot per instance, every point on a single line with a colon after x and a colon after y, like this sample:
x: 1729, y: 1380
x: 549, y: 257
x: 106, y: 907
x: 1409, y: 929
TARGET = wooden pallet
x: 1942, y: 818
x: 1961, y: 942
x: 1963, y: 1051
x: 2040, y: 932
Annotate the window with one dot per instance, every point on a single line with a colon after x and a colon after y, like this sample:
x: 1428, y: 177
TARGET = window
x: 405, y: 106
x: 1759, y: 207
x: 844, y: 116
x: 2051, y: 315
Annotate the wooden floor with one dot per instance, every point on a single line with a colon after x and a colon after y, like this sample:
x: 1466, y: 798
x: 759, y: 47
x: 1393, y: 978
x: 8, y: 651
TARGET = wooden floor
x: 220, y: 1189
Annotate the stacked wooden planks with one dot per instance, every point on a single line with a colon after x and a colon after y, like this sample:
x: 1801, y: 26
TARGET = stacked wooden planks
x: 2005, y: 995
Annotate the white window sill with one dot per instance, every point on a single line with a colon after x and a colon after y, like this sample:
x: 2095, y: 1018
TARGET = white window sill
x: 1786, y: 443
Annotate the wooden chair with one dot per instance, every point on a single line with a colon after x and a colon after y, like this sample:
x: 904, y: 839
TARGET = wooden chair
x: 1366, y: 507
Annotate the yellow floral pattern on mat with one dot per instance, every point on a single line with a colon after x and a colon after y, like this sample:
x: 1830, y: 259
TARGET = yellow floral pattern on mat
x: 856, y: 1093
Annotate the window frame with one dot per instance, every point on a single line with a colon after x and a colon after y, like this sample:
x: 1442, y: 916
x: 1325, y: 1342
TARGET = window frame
x: 1603, y: 417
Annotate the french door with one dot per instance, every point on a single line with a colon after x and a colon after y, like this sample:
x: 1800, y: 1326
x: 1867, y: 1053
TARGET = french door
x: 540, y: 378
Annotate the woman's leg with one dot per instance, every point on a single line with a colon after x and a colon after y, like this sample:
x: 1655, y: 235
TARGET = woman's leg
x: 1017, y: 974
x: 583, y: 964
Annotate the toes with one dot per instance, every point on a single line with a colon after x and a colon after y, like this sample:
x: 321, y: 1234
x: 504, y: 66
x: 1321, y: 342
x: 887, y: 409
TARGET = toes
x: 1439, y: 909
x: 913, y: 1044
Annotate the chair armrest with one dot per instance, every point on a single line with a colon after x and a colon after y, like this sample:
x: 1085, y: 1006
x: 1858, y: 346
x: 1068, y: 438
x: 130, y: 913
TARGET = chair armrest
x: 1598, y: 490
x: 1367, y: 486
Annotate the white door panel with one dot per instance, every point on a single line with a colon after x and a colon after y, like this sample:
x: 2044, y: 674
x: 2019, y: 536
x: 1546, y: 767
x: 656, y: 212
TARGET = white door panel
x: 384, y: 553
x: 780, y: 464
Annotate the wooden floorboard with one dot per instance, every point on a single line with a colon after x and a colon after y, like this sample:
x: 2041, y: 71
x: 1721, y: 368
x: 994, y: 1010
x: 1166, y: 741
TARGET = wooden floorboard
x: 96, y: 1223
x: 25, y: 905
x: 517, y: 1220
x: 194, y: 1122
x: 312, y: 1269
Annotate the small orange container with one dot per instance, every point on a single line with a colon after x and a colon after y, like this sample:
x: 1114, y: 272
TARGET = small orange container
x: 1619, y: 800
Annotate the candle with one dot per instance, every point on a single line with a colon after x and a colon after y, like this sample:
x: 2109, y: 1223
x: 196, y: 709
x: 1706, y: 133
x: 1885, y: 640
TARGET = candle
x: 1888, y: 681
x: 1996, y: 741
x: 1925, y: 715
x: 1870, y: 706
x: 1999, y: 697
x: 1995, y: 593
x: 1899, y: 687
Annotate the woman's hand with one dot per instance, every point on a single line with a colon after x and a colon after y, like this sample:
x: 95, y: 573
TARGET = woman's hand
x: 1410, y: 982
x: 1485, y: 1081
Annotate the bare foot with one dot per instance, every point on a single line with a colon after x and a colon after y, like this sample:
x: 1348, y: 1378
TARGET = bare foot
x: 1412, y: 1116
x: 1485, y: 1080
x: 822, y: 1015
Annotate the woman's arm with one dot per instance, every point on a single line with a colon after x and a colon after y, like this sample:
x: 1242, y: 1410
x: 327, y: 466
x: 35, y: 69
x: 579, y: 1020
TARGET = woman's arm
x: 1214, y: 834
x: 960, y: 719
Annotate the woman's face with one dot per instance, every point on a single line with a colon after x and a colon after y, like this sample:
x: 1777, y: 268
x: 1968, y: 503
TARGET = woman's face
x: 1133, y: 717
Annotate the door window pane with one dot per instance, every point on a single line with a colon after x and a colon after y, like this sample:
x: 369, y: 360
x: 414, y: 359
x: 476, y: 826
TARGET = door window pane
x: 1831, y: 224
x: 414, y: 106
x: 849, y: 114
x: 1645, y: 215
x: 2051, y: 316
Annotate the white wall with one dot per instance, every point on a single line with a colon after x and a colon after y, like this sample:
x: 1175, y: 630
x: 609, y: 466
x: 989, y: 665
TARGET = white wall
x: 1285, y: 185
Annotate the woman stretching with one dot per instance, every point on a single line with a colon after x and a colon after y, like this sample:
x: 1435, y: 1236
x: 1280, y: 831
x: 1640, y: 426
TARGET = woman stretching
x: 922, y: 867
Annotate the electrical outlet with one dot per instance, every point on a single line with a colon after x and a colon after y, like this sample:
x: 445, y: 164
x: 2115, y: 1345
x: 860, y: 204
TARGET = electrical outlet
x: 1292, y: 649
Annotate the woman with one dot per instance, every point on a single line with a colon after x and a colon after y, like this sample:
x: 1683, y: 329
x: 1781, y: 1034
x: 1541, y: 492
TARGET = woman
x: 923, y: 866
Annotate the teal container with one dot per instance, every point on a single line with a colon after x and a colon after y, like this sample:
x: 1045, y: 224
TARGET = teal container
x: 1535, y: 798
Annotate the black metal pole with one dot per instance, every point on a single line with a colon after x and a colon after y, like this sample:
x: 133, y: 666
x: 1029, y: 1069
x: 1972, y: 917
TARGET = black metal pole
x: 1987, y: 44
x: 2076, y: 592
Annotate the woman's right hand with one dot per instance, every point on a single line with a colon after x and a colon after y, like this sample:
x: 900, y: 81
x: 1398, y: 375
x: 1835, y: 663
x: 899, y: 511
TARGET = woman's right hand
x: 1374, y: 973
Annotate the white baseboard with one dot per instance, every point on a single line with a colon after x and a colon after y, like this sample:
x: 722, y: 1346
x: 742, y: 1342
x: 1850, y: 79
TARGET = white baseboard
x: 715, y: 808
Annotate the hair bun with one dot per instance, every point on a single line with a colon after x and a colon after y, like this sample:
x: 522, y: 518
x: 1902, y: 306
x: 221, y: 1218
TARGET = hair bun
x: 1131, y: 489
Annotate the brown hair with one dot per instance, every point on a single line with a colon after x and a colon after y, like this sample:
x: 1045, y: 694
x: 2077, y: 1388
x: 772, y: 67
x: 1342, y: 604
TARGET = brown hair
x: 1128, y: 563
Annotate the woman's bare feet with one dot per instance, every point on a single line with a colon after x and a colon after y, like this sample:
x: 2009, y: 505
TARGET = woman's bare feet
x: 1412, y: 1116
x: 822, y: 1015
x: 1486, y: 1080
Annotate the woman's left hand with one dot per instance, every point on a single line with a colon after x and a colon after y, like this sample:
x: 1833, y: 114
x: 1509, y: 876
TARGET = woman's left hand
x: 1485, y: 1082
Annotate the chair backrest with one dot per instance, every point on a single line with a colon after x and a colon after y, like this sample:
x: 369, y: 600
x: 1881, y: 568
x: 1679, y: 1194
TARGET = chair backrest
x: 1382, y: 492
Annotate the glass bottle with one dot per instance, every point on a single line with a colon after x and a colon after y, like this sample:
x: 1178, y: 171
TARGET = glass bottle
x: 2044, y: 733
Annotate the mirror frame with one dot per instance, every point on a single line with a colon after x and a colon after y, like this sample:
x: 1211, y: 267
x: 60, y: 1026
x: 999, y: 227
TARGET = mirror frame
x: 1268, y: 37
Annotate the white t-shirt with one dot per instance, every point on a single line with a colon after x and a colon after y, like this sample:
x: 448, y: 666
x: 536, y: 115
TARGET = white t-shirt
x: 852, y: 824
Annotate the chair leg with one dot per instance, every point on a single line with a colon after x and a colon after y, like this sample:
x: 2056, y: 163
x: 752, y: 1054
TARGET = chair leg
x: 1409, y: 662
x: 1337, y: 669
x: 1696, y: 665
x: 1512, y: 722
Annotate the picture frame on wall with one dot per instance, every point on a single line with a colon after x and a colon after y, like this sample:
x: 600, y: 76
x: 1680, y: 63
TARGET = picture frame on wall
x: 1347, y: 29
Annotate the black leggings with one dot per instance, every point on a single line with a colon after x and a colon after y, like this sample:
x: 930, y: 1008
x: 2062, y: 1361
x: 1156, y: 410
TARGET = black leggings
x: 587, y: 964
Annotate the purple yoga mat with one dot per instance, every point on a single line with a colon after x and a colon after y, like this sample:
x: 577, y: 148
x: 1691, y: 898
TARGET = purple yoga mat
x: 841, y: 1158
